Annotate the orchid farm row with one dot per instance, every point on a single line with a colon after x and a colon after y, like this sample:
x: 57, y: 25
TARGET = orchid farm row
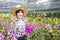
x: 38, y: 28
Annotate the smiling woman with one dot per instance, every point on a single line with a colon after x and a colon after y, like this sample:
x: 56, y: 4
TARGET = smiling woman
x: 18, y: 26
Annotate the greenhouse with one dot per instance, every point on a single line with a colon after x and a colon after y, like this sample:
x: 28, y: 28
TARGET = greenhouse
x: 32, y: 5
x: 42, y: 19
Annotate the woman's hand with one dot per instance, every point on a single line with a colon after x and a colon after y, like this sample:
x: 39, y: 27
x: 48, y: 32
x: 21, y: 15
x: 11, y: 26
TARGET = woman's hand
x: 13, y: 20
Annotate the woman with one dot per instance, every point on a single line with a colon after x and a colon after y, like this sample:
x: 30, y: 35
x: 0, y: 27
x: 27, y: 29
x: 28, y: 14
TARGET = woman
x: 18, y: 24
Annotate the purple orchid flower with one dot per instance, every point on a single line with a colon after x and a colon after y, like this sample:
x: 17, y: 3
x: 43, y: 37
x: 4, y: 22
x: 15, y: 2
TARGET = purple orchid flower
x: 56, y: 25
x: 49, y: 26
x: 29, y: 28
x: 1, y: 36
x: 8, y: 29
x: 12, y: 36
x: 39, y: 25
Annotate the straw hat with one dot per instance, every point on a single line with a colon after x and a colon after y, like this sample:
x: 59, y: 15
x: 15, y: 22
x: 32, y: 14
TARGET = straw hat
x: 25, y: 10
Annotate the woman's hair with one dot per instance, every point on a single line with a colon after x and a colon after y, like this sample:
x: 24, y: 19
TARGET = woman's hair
x: 19, y: 11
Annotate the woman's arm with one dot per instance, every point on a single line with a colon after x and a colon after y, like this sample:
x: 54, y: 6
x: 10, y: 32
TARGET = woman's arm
x: 13, y: 26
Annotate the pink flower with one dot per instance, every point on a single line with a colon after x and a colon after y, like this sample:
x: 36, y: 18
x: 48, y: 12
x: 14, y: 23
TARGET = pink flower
x: 56, y: 25
x: 4, y: 22
x: 29, y: 28
x: 12, y: 36
x: 49, y: 26
x: 8, y: 29
x: 39, y: 25
x: 1, y: 36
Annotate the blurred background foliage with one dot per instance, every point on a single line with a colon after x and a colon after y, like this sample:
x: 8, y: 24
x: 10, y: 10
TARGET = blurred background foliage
x: 42, y: 23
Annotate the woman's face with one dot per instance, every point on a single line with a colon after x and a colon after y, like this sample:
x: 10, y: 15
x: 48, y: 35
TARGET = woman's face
x: 20, y: 15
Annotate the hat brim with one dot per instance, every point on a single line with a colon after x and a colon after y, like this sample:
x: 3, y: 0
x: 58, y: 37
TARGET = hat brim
x: 25, y: 10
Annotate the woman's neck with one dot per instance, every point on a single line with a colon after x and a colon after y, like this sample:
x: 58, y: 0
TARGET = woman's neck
x: 20, y: 19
